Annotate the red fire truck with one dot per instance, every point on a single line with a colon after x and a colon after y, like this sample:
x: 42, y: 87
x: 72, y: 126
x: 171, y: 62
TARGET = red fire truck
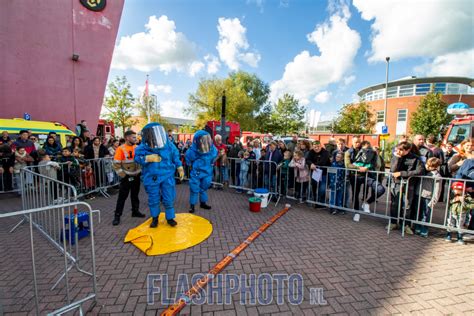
x: 462, y: 126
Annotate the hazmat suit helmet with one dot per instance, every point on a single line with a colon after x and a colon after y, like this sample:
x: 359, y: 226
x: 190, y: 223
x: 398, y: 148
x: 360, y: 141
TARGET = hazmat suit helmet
x: 154, y: 136
x: 204, y: 143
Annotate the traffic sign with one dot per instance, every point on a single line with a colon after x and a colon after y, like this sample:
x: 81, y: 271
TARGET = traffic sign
x: 385, y: 129
x: 27, y: 117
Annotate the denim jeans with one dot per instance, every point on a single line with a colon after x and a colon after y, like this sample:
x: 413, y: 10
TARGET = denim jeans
x: 270, y: 182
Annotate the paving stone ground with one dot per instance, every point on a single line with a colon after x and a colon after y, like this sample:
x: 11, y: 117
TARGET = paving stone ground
x: 360, y: 268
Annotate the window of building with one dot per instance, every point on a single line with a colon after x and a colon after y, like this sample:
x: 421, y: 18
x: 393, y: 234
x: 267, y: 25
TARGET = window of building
x: 379, y: 94
x: 402, y: 115
x: 369, y: 96
x: 392, y: 92
x: 440, y: 87
x: 423, y: 88
x: 380, y: 116
x: 406, y: 90
x: 453, y: 88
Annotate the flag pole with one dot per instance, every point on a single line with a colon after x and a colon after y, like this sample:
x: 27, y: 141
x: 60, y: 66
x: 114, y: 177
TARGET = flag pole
x: 147, y: 100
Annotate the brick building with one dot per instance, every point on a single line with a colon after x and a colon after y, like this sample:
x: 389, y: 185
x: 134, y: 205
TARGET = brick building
x: 404, y: 96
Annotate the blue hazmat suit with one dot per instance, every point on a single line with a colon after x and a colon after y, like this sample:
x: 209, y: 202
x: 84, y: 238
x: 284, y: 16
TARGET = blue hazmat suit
x: 202, y: 166
x: 158, y: 177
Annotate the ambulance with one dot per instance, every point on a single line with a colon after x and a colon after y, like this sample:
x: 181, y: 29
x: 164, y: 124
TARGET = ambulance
x: 39, y: 129
x: 462, y: 126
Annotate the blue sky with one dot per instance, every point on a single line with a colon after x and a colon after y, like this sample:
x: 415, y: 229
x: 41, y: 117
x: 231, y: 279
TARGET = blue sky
x: 323, y: 52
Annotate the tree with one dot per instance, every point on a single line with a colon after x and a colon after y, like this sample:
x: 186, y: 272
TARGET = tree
x: 430, y: 115
x: 119, y: 103
x: 246, y: 95
x: 354, y: 119
x: 287, y: 116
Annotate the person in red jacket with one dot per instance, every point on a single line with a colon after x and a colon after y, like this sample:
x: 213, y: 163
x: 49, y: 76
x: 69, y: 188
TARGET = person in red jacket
x: 24, y: 142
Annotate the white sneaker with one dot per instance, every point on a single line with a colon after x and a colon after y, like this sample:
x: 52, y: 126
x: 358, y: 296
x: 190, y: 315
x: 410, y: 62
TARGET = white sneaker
x: 366, y: 207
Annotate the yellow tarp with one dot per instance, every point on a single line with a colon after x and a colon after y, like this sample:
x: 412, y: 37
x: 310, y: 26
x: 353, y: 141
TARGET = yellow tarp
x: 190, y: 231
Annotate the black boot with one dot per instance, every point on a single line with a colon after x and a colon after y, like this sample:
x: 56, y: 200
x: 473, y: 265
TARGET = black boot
x: 172, y: 222
x: 154, y: 222
x: 191, y: 209
x: 137, y: 214
x: 116, y: 220
x: 205, y: 206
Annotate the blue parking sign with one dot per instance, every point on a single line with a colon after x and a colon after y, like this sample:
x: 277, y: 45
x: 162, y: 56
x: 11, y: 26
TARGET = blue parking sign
x: 385, y: 129
x: 26, y: 116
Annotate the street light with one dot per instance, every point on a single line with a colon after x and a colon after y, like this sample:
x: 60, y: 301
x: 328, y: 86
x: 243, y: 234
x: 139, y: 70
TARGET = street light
x: 387, y: 59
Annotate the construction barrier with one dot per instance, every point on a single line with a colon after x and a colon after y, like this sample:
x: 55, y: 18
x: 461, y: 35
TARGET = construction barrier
x: 61, y: 226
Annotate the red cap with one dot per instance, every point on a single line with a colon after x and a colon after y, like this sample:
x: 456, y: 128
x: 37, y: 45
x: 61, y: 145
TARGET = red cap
x: 458, y: 185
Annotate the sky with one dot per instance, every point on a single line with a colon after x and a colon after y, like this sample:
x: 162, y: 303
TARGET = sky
x: 322, y: 52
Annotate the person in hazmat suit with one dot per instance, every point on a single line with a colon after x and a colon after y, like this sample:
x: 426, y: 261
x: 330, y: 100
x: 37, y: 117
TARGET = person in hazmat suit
x: 200, y: 157
x: 159, y: 159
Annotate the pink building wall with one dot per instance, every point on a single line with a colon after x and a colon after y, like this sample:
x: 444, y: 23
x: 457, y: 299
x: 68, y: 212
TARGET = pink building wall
x: 37, y: 73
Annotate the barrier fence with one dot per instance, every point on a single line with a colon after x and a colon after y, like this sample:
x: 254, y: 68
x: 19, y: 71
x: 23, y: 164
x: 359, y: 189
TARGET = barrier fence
x: 56, y: 223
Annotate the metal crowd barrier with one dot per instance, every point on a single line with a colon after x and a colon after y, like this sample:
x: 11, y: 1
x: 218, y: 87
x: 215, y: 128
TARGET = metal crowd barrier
x: 87, y: 176
x: 7, y: 182
x: 50, y: 222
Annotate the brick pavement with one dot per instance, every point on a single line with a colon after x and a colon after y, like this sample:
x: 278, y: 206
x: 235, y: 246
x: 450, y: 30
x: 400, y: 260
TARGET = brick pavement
x: 360, y: 268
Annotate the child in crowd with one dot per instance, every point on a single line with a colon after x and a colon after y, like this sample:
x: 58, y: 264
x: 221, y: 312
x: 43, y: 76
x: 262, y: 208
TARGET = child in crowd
x: 302, y: 176
x: 284, y: 169
x: 22, y: 160
x: 70, y: 172
x: 260, y: 169
x: 224, y: 167
x: 49, y: 169
x: 430, y: 193
x: 336, y: 183
x: 244, y: 169
x: 88, y: 179
x: 459, y: 206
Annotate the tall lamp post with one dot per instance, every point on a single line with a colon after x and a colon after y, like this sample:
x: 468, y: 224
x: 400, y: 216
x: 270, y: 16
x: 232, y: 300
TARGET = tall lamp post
x: 385, y: 129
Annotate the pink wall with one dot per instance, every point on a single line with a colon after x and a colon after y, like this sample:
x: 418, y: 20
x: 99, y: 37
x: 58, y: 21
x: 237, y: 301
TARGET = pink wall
x: 37, y: 74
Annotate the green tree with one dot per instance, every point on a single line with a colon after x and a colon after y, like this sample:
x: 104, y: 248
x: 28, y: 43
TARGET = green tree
x: 287, y: 116
x: 245, y: 93
x: 430, y: 115
x: 119, y: 103
x: 354, y: 119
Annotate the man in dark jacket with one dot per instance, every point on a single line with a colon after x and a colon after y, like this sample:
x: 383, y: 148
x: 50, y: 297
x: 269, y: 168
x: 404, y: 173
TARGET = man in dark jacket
x: 24, y: 142
x: 270, y: 168
x: 234, y: 166
x: 423, y: 152
x: 404, y: 164
x: 356, y: 177
x: 318, y: 157
x: 7, y: 161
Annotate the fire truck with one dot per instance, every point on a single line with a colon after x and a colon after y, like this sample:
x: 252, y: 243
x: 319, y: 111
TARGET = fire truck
x: 462, y: 126
x: 232, y: 130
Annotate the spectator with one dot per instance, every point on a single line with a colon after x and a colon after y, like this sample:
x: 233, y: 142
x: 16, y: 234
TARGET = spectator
x: 374, y: 180
x: 356, y: 177
x: 70, y: 172
x: 302, y: 176
x: 244, y: 170
x: 7, y: 161
x: 34, y: 140
x: 282, y: 147
x: 337, y: 183
x: 404, y: 164
x: 367, y: 158
x: 292, y: 145
x: 170, y: 137
x: 86, y: 138
x: 430, y: 193
x: 331, y: 146
x: 422, y: 151
x: 56, y: 138
x: 305, y: 147
x: 340, y: 148
x: 122, y: 141
x: 81, y: 128
x: 113, y: 147
x: 224, y: 166
x: 22, y: 160
x: 318, y: 157
x: 465, y: 152
x: 284, y: 170
x: 95, y: 150
x: 256, y: 148
x: 49, y: 169
x: 459, y: 207
x: 233, y: 154
x: 77, y: 144
x: 24, y: 142
x: 274, y: 157
x: 219, y: 145
x: 52, y: 149
x: 5, y: 139
x: 466, y: 172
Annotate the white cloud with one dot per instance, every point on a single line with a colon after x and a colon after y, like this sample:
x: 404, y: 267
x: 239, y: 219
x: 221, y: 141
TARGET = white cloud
x: 322, y: 97
x: 213, y: 64
x: 327, y: 116
x: 174, y: 108
x: 159, y: 47
x: 306, y: 75
x: 349, y: 80
x: 195, y: 68
x: 454, y: 64
x: 152, y: 88
x: 410, y: 28
x: 233, y: 45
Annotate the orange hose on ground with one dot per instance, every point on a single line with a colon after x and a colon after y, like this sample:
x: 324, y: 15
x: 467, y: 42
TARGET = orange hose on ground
x: 202, y: 283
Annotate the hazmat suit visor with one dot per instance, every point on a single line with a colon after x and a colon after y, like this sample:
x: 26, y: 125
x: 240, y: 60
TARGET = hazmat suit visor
x: 154, y: 137
x: 204, y: 144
